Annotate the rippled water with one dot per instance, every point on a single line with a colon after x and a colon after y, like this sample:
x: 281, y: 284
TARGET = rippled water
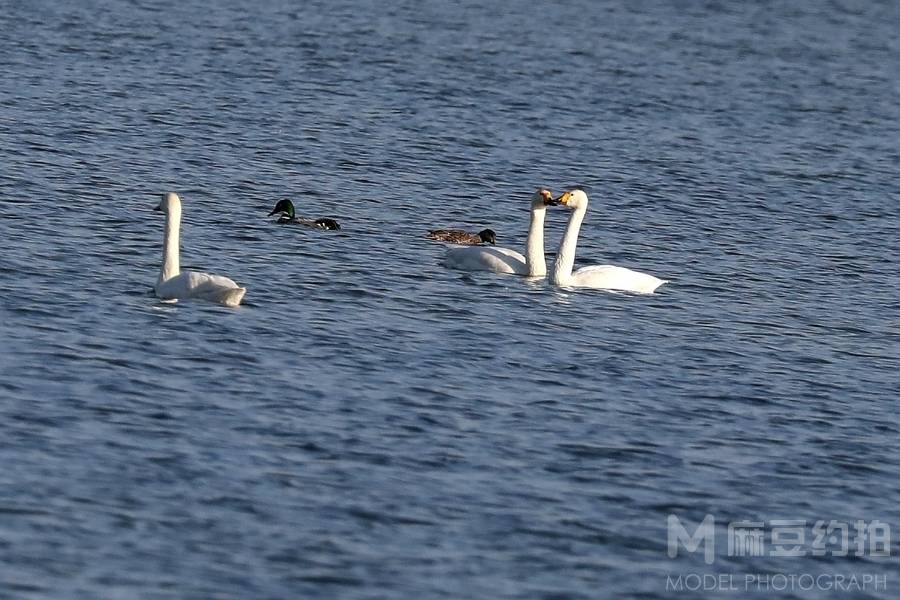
x: 372, y: 425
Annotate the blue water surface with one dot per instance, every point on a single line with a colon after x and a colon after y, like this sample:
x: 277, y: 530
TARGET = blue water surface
x: 371, y: 424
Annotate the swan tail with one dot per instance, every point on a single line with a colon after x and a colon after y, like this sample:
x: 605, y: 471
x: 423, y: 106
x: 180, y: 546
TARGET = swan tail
x: 650, y: 289
x: 230, y: 296
x: 204, y: 286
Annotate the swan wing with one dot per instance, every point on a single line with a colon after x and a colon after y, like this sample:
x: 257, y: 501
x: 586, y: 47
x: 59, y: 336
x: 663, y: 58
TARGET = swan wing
x: 201, y: 286
x: 498, y: 260
x: 610, y: 277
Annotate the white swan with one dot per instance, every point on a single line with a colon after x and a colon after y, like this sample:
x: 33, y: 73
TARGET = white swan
x: 504, y: 260
x: 606, y: 277
x: 174, y: 285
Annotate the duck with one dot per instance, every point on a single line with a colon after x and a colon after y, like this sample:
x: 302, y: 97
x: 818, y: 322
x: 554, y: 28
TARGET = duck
x: 285, y: 208
x: 606, y: 277
x: 506, y: 260
x: 463, y: 238
x: 172, y: 284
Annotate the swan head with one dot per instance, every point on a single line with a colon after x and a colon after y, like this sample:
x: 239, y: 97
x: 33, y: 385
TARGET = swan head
x: 285, y: 207
x: 573, y: 199
x: 488, y: 236
x: 542, y: 198
x: 170, y: 204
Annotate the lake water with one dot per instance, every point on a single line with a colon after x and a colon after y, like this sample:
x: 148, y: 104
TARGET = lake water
x: 372, y: 425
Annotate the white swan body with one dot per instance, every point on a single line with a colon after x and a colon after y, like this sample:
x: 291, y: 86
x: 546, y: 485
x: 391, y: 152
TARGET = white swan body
x: 611, y: 277
x: 174, y: 285
x: 607, y: 277
x: 498, y: 260
x: 504, y: 260
x: 201, y: 286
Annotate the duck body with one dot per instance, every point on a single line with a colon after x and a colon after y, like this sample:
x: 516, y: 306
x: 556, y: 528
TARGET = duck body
x: 285, y: 208
x: 323, y: 223
x: 172, y: 284
x: 463, y: 238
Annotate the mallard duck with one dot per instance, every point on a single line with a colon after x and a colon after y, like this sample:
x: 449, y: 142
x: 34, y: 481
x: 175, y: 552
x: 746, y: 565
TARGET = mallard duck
x: 287, y: 217
x: 463, y: 238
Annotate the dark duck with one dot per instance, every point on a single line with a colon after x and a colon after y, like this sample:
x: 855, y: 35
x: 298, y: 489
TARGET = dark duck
x: 463, y: 238
x: 285, y: 210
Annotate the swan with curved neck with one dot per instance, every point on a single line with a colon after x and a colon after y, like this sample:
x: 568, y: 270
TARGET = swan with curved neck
x: 607, y: 277
x: 174, y: 285
x: 504, y: 260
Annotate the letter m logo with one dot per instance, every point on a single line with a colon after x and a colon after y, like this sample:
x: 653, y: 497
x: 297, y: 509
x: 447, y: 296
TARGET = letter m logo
x: 705, y: 534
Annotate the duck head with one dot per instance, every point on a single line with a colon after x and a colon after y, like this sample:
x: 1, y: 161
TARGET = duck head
x: 284, y: 207
x: 488, y: 236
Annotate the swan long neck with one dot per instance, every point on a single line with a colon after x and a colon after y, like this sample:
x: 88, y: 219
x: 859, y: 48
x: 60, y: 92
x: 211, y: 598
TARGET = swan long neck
x: 534, y: 245
x: 565, y: 256
x: 170, y: 266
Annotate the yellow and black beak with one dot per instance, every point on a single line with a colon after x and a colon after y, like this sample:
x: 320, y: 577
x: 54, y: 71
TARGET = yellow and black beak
x: 564, y: 198
x: 548, y: 198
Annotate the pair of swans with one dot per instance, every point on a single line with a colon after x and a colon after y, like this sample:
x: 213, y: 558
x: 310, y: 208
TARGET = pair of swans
x: 533, y: 264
